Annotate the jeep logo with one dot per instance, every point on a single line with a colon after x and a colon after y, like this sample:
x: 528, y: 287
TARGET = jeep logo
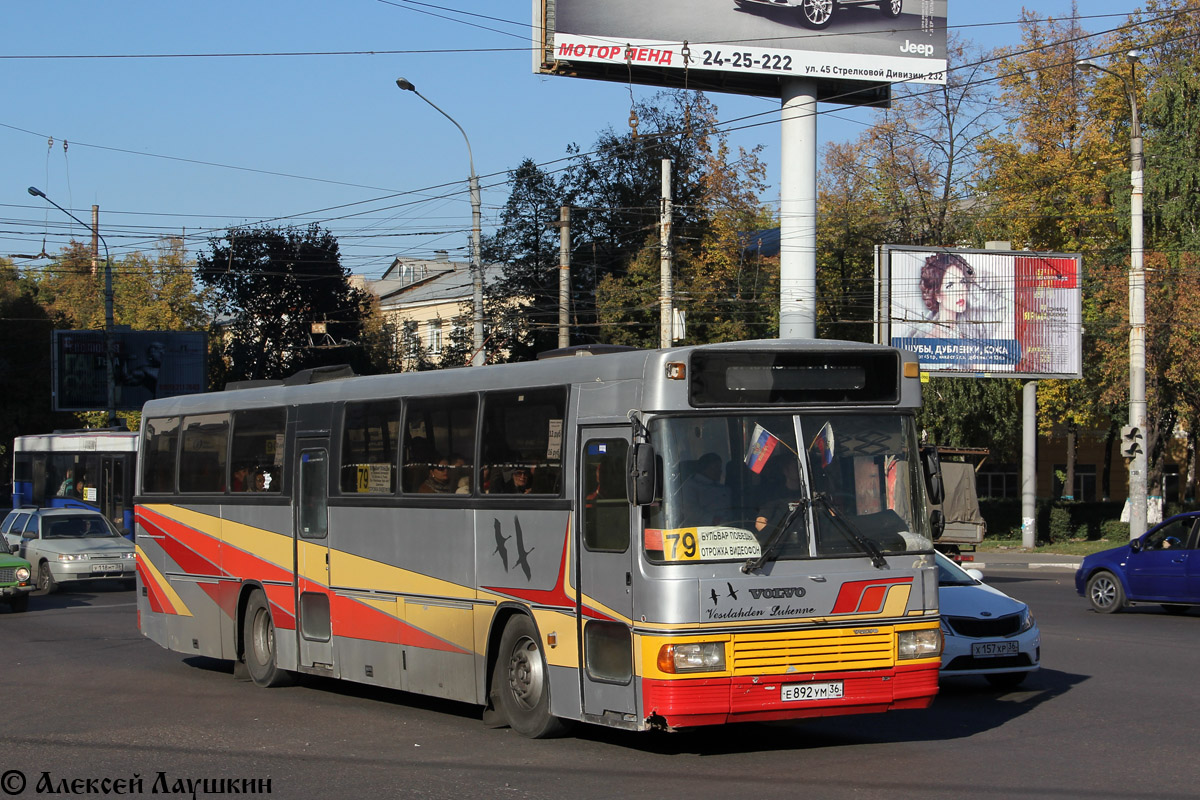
x: 777, y: 594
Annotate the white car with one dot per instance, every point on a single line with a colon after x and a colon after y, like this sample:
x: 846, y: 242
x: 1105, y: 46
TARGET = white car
x: 986, y: 632
x: 65, y: 545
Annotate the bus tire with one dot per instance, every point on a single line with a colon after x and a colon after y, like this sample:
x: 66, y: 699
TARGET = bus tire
x: 258, y: 643
x: 521, y: 682
x: 45, y: 580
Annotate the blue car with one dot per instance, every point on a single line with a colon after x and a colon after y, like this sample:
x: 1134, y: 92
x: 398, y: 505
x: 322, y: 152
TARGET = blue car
x: 1161, y: 566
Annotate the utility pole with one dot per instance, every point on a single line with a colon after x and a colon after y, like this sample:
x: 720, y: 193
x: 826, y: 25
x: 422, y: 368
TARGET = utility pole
x: 666, y: 300
x: 564, y: 275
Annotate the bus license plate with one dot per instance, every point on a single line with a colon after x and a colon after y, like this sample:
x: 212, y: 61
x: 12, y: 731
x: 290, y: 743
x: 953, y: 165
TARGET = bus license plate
x: 106, y: 567
x: 994, y: 649
x: 799, y: 692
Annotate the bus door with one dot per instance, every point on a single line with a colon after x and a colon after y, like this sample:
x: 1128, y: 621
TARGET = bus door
x: 112, y: 490
x: 313, y: 624
x: 605, y: 576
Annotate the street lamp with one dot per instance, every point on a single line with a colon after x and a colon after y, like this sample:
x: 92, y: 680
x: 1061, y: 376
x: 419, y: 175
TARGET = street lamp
x: 108, y: 309
x: 1137, y: 303
x: 477, y: 356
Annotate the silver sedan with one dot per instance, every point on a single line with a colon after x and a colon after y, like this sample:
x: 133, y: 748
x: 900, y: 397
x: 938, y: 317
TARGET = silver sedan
x: 66, y: 545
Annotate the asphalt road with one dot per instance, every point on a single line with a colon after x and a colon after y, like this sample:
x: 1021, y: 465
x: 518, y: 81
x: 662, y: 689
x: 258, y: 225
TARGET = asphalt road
x: 1112, y: 714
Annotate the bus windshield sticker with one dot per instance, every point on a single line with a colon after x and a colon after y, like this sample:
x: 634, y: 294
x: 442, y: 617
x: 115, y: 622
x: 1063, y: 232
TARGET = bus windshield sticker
x: 379, y: 479
x: 705, y: 543
x: 554, y: 443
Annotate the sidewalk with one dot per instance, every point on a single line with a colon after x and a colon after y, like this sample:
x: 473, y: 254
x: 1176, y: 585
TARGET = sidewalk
x: 1019, y: 560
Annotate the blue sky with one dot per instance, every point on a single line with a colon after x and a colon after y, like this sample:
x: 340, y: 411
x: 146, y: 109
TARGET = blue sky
x: 198, y: 140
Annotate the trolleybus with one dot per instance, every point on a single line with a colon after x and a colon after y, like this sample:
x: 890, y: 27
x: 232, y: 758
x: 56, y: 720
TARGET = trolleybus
x: 91, y: 468
x: 643, y: 539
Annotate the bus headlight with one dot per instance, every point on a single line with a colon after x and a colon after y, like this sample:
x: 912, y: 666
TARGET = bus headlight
x: 692, y: 657
x: 923, y: 643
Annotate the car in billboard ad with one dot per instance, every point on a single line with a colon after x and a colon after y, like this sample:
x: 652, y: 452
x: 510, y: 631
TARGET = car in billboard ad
x: 744, y: 45
x: 1003, y: 313
x: 146, y: 365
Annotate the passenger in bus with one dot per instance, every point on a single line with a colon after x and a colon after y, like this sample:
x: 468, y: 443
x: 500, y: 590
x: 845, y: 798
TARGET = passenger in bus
x: 460, y: 474
x: 702, y: 496
x: 262, y: 480
x: 241, y: 475
x: 519, y: 483
x: 438, y: 481
x: 81, y: 486
x: 67, y: 487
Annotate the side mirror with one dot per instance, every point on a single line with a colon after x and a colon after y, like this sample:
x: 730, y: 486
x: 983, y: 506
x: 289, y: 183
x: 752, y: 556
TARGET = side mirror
x: 976, y: 574
x: 643, y: 475
x: 937, y: 521
x: 931, y: 462
x: 1136, y: 545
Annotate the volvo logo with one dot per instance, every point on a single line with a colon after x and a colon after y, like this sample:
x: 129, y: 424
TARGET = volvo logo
x: 865, y: 631
x: 781, y: 593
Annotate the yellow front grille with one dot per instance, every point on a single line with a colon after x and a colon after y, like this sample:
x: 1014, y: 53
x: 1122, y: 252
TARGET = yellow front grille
x: 813, y: 651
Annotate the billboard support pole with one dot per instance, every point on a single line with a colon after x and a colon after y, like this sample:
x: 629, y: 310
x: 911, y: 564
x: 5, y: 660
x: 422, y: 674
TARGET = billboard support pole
x: 798, y: 211
x: 1029, y: 465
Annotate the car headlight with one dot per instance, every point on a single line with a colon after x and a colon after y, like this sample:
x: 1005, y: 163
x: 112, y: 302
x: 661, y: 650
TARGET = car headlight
x: 922, y: 643
x: 73, y: 556
x: 1027, y: 621
x: 129, y: 556
x: 22, y: 574
x: 692, y: 657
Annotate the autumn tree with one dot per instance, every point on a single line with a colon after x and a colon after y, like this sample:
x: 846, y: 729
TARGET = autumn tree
x: 1045, y: 184
x: 25, y: 329
x: 1167, y: 92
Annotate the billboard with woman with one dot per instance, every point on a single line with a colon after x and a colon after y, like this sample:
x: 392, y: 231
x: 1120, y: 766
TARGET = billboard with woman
x: 1012, y: 313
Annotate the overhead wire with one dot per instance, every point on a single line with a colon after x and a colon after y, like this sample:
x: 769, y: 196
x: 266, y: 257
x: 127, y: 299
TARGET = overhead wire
x: 725, y: 126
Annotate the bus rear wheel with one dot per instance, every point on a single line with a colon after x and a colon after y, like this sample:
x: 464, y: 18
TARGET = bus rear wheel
x: 521, y: 682
x: 258, y: 643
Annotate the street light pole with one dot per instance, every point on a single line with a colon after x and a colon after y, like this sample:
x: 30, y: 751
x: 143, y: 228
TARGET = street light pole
x: 1137, y: 302
x: 478, y: 355
x: 108, y: 309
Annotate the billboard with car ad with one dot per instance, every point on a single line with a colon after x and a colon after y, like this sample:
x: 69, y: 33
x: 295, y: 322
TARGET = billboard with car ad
x: 745, y: 46
x: 146, y: 365
x: 983, y: 312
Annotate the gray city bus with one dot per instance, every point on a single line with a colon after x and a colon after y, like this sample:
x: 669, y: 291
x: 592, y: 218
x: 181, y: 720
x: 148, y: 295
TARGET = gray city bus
x: 641, y: 539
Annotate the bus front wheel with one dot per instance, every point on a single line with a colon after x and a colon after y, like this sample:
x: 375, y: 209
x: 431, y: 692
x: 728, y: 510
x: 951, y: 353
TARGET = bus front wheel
x: 521, y: 682
x: 258, y: 632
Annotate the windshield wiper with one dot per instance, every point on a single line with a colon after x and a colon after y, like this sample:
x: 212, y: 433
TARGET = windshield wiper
x: 772, y: 543
x: 851, y: 532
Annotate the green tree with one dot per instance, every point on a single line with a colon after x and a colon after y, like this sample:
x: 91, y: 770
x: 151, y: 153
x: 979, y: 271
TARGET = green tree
x: 522, y: 304
x: 268, y: 287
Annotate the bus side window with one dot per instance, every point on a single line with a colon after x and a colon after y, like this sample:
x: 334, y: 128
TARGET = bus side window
x: 439, y: 446
x: 158, y: 455
x: 522, y: 441
x: 203, y: 449
x: 369, y: 441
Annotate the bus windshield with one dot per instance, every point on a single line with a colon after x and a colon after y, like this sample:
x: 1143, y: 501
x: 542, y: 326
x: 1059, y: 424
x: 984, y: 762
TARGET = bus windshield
x: 775, y: 486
